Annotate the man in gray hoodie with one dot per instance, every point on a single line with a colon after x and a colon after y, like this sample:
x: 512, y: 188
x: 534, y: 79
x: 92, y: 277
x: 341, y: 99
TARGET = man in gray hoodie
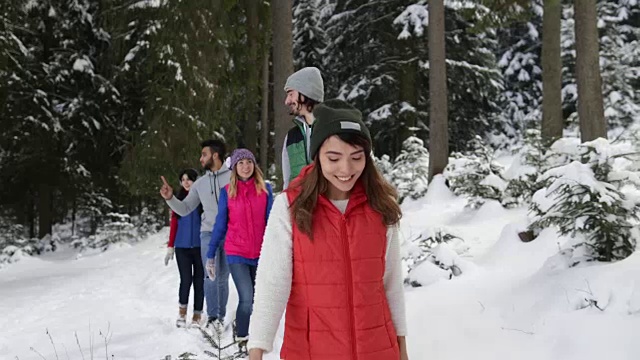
x: 206, y: 191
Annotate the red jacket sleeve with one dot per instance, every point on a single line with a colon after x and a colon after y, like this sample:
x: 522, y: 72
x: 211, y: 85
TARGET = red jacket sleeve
x: 173, y: 229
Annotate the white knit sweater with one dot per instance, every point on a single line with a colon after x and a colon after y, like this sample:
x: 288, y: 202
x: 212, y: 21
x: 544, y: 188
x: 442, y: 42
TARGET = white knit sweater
x: 275, y: 272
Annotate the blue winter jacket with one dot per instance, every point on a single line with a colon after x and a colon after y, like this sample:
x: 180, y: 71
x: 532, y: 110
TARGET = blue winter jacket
x: 188, y: 233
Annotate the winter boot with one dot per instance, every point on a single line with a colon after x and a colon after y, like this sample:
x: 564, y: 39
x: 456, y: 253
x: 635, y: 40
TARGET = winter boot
x: 195, y: 321
x: 216, y: 325
x: 182, y: 317
x: 242, y: 344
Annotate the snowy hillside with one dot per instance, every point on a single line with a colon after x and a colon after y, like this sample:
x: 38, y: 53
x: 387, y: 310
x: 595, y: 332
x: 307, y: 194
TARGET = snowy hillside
x: 513, y: 300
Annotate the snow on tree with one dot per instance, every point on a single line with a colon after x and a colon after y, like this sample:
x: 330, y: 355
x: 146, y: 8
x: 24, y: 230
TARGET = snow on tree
x: 410, y: 172
x: 14, y: 245
x: 438, y: 257
x: 379, y: 63
x: 620, y: 61
x: 385, y: 166
x: 476, y: 175
x: 521, y: 99
x: 117, y: 229
x: 619, y: 64
x: 522, y: 175
x: 60, y: 100
x: 309, y: 38
x: 594, y: 200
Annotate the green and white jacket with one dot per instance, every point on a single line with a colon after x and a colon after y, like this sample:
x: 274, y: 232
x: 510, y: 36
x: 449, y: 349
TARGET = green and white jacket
x: 295, y: 152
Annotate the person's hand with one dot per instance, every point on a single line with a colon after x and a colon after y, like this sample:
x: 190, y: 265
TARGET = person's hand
x: 166, y: 191
x: 169, y: 256
x: 255, y: 354
x: 402, y: 344
x: 211, y: 268
x: 404, y: 355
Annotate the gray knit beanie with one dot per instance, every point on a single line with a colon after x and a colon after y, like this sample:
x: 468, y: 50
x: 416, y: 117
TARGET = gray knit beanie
x: 308, y: 82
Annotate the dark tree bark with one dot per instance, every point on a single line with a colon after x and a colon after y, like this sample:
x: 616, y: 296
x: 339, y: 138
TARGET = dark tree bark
x: 552, y: 122
x: 590, y: 104
x: 438, y: 111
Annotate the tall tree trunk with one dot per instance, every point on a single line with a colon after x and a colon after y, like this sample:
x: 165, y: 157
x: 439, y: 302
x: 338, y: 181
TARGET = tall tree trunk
x: 552, y: 124
x: 253, y: 71
x: 264, y: 113
x: 45, y: 210
x: 408, y: 94
x: 282, y: 68
x: 590, y: 107
x: 31, y: 215
x: 73, y: 216
x: 438, y: 112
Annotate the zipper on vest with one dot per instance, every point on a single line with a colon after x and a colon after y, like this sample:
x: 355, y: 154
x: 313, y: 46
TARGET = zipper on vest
x: 347, y: 253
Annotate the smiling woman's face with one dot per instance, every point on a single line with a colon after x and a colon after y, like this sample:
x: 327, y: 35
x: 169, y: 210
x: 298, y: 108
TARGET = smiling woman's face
x: 186, y: 182
x: 342, y: 164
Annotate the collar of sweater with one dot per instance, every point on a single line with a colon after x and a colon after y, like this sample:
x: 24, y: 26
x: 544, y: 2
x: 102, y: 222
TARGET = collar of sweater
x: 222, y: 170
x: 303, y: 121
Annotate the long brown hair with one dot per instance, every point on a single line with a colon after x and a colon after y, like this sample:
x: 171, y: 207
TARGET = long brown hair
x: 257, y: 176
x: 382, y: 197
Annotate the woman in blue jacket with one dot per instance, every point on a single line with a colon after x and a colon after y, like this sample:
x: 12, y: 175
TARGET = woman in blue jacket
x: 184, y: 241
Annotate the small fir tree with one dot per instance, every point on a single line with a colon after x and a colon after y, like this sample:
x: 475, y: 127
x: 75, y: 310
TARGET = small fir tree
x: 476, y: 175
x: 589, y: 199
x: 523, y: 174
x: 410, y: 172
x: 385, y: 166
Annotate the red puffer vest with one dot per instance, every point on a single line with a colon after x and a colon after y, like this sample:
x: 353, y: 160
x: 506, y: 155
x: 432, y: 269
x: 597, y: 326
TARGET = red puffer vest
x: 338, y: 308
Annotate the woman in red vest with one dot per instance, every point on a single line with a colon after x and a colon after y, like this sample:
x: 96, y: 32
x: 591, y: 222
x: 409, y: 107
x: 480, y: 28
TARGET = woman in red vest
x: 331, y: 254
x: 243, y: 211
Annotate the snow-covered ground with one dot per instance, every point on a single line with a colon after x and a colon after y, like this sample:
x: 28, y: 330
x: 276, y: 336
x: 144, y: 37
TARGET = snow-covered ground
x: 519, y: 302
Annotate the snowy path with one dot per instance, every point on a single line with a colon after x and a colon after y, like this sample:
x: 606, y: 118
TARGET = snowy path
x: 518, y: 304
x: 127, y: 292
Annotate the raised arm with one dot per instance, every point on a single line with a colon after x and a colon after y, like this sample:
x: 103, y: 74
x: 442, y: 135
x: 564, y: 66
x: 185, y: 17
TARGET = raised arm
x: 186, y: 206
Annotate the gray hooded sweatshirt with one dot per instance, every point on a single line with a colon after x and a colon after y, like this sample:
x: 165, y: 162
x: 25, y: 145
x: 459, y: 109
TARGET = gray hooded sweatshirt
x: 205, y: 190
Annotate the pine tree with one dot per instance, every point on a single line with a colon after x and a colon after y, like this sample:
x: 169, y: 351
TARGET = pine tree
x: 476, y: 174
x: 619, y: 63
x: 379, y: 62
x: 589, y: 199
x: 521, y: 99
x: 309, y: 38
x: 62, y: 103
x: 522, y: 176
x: 193, y: 89
x: 385, y: 166
x: 410, y: 172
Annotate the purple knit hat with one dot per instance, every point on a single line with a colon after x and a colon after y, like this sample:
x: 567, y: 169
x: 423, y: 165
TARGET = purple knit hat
x: 241, y: 154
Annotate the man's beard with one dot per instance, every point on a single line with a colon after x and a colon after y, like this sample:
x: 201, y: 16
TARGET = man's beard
x: 295, y: 110
x: 208, y: 165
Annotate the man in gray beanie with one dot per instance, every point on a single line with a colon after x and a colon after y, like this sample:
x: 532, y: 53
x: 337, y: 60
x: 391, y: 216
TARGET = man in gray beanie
x: 305, y: 89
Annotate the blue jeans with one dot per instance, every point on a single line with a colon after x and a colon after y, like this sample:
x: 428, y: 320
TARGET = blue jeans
x: 216, y: 291
x: 244, y: 276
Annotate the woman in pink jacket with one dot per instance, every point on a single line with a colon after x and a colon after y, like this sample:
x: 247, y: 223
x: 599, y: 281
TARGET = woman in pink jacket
x: 243, y: 210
